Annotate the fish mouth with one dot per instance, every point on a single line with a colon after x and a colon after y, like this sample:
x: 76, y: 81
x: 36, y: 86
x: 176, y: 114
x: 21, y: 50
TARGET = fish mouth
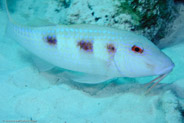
x: 166, y: 70
x: 162, y: 74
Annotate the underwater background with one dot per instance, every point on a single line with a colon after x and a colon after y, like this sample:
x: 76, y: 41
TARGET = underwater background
x: 28, y: 95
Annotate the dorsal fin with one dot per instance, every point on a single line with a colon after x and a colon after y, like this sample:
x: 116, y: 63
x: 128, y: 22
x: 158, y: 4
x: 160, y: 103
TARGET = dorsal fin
x: 39, y: 22
x: 5, y: 6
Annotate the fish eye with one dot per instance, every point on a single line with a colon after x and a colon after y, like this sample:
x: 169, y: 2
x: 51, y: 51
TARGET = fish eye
x: 137, y: 49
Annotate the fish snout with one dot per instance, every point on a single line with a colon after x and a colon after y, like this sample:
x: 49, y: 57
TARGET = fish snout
x: 165, y: 69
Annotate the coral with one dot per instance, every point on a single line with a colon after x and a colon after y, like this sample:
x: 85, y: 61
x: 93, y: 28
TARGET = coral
x: 149, y: 15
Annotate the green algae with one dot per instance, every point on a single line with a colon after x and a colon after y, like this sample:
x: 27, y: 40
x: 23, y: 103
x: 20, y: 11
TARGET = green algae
x: 147, y: 14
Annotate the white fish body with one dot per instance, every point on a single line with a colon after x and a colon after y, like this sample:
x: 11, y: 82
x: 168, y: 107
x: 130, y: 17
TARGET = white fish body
x: 112, y: 53
x: 66, y: 53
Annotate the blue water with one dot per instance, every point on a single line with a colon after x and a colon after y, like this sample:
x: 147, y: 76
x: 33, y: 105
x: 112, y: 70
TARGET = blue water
x: 28, y: 95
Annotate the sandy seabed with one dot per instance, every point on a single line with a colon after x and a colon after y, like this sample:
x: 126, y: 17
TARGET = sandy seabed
x: 32, y: 96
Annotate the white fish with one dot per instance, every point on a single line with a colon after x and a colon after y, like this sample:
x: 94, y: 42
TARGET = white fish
x: 98, y: 53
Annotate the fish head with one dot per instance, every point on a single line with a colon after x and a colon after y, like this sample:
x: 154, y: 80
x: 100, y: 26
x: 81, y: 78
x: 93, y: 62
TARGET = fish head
x: 137, y: 56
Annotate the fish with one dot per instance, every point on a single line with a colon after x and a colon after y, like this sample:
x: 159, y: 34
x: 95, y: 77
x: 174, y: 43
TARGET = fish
x: 91, y: 53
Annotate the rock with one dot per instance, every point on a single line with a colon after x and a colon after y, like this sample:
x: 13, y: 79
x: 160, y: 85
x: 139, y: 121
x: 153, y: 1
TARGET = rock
x: 171, y: 107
